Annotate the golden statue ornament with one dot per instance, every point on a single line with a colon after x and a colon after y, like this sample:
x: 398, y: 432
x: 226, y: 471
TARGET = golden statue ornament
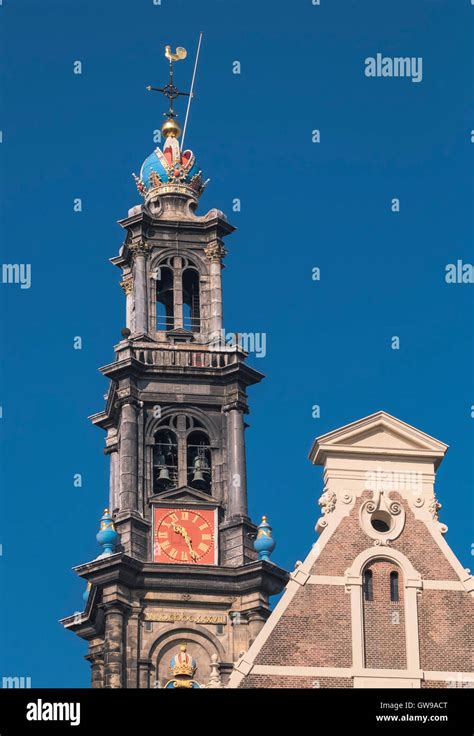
x: 178, y: 55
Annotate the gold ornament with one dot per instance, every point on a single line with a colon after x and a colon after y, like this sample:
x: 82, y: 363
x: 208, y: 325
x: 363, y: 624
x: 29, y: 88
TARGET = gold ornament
x: 171, y: 128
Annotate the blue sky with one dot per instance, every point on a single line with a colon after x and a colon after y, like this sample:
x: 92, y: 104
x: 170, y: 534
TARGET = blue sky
x: 303, y: 205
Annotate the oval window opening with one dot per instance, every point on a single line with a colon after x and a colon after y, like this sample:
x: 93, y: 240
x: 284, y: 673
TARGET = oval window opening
x: 381, y: 522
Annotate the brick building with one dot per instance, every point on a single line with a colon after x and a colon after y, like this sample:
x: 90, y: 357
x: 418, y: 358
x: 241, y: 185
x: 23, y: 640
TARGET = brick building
x: 381, y: 600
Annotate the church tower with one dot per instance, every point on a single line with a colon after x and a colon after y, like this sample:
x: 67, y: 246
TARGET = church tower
x: 179, y: 567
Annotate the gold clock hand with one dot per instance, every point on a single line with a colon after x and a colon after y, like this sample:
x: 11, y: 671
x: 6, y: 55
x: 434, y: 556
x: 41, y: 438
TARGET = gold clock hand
x: 181, y: 530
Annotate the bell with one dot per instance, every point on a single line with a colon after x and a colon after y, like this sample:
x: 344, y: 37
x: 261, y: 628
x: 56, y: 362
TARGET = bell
x: 198, y: 477
x: 164, y: 474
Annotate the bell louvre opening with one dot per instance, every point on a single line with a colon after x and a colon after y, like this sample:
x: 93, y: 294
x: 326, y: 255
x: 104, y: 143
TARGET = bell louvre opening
x: 199, y: 461
x: 191, y: 300
x: 165, y: 461
x: 164, y: 299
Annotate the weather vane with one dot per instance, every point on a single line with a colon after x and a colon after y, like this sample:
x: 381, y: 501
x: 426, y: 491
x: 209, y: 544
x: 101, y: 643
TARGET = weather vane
x: 171, y: 126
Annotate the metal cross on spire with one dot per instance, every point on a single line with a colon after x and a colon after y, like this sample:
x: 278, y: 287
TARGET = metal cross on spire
x: 169, y: 90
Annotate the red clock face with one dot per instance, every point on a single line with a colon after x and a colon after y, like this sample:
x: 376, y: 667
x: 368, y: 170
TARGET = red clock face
x: 185, y: 536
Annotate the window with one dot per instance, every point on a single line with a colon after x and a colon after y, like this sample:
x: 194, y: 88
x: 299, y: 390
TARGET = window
x: 368, y: 586
x: 394, y: 595
x: 381, y: 521
x: 191, y: 303
x: 165, y: 461
x: 164, y: 299
x: 199, y: 461
x: 181, y: 455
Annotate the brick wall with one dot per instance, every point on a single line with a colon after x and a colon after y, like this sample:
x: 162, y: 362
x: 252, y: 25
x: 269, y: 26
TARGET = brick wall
x: 415, y: 542
x: 269, y: 681
x: 384, y: 621
x: 446, y: 631
x: 315, y: 629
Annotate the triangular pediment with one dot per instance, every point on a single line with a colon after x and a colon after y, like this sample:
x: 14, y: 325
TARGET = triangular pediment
x: 185, y: 494
x: 377, y: 434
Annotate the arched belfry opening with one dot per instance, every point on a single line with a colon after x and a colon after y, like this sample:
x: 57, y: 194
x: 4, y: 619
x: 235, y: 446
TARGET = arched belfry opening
x: 165, y: 311
x: 191, y: 300
x: 165, y: 461
x: 198, y: 462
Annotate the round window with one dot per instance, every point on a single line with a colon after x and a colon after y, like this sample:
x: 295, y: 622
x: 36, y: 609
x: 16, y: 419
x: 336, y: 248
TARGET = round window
x: 381, y: 521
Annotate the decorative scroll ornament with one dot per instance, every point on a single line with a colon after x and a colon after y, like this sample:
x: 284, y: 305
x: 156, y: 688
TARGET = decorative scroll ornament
x: 433, y: 508
x: 215, y: 252
x: 327, y: 501
x: 382, y: 518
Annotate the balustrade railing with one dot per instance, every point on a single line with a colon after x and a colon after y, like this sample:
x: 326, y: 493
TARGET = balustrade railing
x: 184, y: 358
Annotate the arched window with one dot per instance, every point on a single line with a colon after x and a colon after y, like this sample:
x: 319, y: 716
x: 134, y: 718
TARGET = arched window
x: 368, y: 586
x: 165, y: 461
x: 394, y: 595
x: 198, y: 461
x: 191, y: 302
x: 164, y: 299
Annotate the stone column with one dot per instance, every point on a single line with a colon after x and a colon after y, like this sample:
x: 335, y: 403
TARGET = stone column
x: 145, y: 674
x: 178, y: 291
x: 133, y: 645
x: 140, y: 290
x: 256, y: 621
x: 97, y: 669
x: 114, y: 477
x: 114, y: 643
x: 182, y: 451
x: 127, y: 286
x: 237, y: 503
x: 215, y: 252
x: 128, y: 456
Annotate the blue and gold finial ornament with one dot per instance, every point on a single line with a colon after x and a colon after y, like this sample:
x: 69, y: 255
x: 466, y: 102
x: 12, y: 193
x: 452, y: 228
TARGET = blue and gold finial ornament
x: 264, y: 543
x: 183, y: 667
x: 107, y: 535
x: 171, y: 170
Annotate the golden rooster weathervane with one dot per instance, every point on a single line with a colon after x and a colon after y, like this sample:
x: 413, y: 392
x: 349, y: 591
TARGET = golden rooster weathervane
x: 171, y: 126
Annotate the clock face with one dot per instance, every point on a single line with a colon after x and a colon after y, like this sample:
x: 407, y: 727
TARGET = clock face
x: 185, y: 536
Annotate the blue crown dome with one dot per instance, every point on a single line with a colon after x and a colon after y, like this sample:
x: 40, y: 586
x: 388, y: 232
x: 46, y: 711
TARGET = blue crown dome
x: 152, y: 163
x: 170, y: 169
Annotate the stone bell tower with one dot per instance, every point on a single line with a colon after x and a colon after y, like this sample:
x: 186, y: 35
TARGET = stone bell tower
x: 184, y: 568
